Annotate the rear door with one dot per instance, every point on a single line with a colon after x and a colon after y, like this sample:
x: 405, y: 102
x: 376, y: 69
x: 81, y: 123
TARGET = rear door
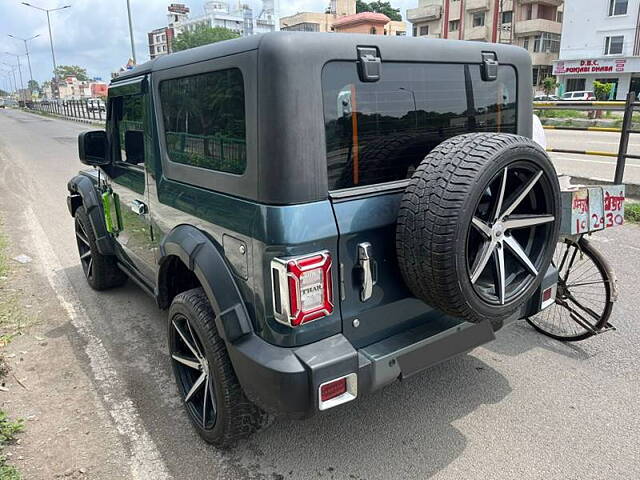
x: 377, y: 133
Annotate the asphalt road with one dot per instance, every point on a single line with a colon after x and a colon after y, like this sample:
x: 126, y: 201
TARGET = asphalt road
x: 592, y: 166
x: 523, y: 407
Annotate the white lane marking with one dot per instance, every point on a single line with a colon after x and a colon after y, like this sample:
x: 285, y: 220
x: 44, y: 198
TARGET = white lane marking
x: 146, y: 461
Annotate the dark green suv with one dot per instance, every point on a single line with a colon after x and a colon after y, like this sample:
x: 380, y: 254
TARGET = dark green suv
x: 321, y: 214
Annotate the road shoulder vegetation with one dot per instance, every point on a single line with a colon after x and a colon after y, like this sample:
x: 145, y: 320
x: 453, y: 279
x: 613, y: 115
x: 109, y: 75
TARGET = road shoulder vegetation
x: 9, y: 315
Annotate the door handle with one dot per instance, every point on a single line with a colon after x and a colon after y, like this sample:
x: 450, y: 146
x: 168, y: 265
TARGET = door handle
x: 367, y: 264
x: 138, y: 207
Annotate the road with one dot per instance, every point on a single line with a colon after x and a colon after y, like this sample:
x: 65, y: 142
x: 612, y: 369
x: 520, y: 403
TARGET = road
x: 592, y: 166
x: 522, y: 407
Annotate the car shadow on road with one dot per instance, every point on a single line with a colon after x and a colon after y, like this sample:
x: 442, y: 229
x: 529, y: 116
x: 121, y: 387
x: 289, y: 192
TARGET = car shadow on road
x: 404, y: 431
x: 519, y: 337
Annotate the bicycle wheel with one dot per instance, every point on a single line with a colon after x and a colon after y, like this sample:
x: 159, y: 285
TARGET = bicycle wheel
x: 585, y: 294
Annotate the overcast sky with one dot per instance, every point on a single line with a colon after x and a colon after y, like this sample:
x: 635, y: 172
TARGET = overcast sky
x: 94, y: 33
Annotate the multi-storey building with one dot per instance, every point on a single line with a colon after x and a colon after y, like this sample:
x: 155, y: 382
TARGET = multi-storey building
x: 600, y: 41
x: 342, y: 17
x: 238, y: 18
x: 160, y: 41
x: 535, y: 25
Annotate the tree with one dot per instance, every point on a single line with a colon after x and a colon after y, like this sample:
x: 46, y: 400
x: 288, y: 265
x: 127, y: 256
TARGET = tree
x: 549, y: 85
x: 64, y: 71
x: 33, y: 86
x: 602, y: 91
x: 202, y: 35
x: 3, y: 93
x: 379, y: 7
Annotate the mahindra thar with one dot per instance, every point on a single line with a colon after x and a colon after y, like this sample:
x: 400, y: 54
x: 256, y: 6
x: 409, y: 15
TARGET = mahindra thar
x: 320, y: 214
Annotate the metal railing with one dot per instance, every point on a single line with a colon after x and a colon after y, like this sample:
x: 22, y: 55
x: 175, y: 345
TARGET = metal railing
x: 628, y: 107
x: 82, y: 109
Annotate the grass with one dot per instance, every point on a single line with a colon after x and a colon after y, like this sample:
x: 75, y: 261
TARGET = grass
x: 8, y: 312
x: 632, y: 212
x: 8, y: 431
x: 562, y: 114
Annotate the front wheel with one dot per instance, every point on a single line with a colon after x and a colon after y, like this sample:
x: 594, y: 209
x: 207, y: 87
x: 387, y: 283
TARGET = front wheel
x: 215, y: 402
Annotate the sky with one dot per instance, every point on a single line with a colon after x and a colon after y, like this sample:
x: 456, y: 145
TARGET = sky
x: 95, y: 33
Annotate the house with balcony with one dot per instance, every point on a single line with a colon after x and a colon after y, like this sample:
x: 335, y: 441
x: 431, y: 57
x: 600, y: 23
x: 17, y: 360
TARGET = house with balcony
x: 535, y: 25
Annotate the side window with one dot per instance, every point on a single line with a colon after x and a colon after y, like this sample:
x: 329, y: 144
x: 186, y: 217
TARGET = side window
x: 204, y: 120
x: 129, y: 112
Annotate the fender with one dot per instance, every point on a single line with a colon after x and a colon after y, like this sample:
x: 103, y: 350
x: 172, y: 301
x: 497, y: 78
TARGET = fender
x: 203, y: 257
x: 82, y: 186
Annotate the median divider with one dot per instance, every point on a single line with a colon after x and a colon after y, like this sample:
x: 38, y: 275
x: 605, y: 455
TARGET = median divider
x: 584, y: 129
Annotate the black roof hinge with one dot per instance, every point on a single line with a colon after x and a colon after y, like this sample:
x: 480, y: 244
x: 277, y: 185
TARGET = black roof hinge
x: 489, y: 69
x: 369, y: 64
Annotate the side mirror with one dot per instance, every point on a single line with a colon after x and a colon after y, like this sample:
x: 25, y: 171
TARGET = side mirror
x: 92, y: 148
x: 134, y: 146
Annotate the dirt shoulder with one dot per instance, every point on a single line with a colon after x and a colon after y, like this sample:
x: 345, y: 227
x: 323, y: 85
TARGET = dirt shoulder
x: 68, y: 433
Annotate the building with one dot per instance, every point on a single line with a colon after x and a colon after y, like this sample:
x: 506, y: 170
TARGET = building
x: 600, y: 41
x: 535, y: 25
x: 238, y: 18
x: 341, y: 17
x: 160, y: 41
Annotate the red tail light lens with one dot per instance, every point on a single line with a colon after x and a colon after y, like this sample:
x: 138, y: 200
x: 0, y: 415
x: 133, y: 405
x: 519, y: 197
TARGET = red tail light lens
x: 302, y: 288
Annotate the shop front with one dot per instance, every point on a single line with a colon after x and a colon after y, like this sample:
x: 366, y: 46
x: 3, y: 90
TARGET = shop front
x: 577, y: 75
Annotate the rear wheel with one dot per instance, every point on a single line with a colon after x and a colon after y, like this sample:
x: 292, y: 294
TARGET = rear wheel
x: 585, y: 296
x: 215, y: 402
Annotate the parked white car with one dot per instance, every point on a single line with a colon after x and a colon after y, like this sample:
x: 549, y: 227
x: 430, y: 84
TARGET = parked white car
x: 578, y: 95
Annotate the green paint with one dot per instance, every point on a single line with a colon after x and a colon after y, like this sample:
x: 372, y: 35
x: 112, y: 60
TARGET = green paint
x: 112, y: 215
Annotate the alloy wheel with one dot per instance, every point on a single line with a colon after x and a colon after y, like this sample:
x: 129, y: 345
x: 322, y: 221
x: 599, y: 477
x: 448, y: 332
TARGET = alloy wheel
x: 193, y: 373
x: 509, y: 235
x: 84, y: 248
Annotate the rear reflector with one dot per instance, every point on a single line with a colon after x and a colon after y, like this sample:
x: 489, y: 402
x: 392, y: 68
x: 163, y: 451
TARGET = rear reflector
x: 333, y: 389
x: 548, y: 297
x: 337, y: 391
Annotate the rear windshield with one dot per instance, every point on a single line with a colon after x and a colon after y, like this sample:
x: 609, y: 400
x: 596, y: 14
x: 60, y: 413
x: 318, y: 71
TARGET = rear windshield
x: 379, y: 132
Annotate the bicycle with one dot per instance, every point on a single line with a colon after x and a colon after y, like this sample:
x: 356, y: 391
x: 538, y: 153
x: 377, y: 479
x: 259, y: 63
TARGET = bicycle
x: 586, y: 292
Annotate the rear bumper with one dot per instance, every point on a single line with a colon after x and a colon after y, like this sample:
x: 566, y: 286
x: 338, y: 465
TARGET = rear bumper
x: 286, y: 380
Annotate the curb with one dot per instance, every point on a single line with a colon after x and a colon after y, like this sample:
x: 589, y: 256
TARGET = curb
x: 631, y: 189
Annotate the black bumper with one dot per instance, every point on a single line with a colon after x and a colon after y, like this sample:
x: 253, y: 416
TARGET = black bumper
x: 286, y: 380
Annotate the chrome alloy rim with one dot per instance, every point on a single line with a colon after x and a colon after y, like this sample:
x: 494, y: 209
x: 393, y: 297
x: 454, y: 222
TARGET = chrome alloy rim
x: 510, y: 235
x: 193, y: 373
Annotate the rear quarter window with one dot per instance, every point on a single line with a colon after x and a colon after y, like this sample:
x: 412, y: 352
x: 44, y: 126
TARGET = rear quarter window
x: 379, y: 132
x: 204, y: 120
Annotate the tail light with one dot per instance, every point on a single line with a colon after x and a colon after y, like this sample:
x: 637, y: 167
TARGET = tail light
x: 302, y: 288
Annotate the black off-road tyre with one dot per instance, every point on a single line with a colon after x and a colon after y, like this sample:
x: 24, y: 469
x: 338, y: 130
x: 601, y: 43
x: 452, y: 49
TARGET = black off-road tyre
x: 236, y: 417
x: 435, y: 221
x: 101, y: 271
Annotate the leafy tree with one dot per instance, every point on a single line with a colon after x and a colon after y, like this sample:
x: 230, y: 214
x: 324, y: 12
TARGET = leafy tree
x: 64, y: 71
x: 202, y: 35
x: 3, y: 93
x: 549, y: 85
x: 602, y: 91
x: 33, y: 86
x: 379, y: 7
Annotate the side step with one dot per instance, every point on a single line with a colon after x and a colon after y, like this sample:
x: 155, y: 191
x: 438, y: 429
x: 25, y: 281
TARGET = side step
x: 419, y: 348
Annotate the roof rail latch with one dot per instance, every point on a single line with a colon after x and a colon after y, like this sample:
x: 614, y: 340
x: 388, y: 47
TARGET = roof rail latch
x: 369, y: 64
x: 489, y: 69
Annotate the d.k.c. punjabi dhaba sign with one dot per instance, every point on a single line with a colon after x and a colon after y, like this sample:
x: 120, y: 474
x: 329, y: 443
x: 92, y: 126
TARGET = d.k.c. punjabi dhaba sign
x: 600, y: 65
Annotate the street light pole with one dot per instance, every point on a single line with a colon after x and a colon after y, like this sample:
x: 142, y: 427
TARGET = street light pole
x: 133, y: 44
x: 53, y: 55
x: 19, y: 71
x: 26, y: 50
x: 13, y: 73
